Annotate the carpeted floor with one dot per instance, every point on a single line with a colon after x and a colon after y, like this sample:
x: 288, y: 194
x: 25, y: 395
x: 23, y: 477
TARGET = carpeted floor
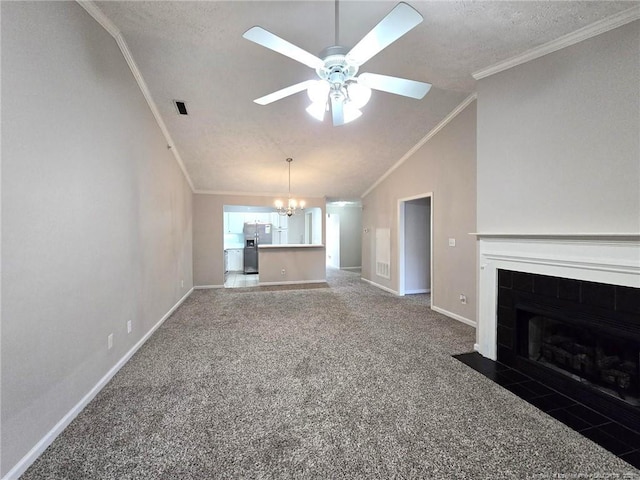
x: 340, y: 382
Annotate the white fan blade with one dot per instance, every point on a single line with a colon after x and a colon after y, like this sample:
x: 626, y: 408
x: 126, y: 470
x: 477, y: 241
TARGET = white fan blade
x: 285, y: 92
x: 398, y: 22
x: 267, y: 39
x: 399, y: 86
x: 337, y: 110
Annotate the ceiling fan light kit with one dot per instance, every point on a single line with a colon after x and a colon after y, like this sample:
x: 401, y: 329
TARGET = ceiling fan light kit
x: 339, y: 90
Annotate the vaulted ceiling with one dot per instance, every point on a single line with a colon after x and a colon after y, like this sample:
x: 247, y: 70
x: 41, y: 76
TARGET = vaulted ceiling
x: 194, y: 52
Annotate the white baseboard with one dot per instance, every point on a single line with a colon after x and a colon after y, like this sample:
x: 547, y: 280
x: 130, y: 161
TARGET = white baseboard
x: 207, y: 287
x: 294, y: 282
x: 455, y: 316
x: 377, y: 285
x: 419, y: 290
x: 350, y: 268
x: 26, y: 461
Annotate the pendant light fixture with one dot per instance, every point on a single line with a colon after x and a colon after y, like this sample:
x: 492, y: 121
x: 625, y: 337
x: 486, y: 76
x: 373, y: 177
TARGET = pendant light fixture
x: 293, y: 206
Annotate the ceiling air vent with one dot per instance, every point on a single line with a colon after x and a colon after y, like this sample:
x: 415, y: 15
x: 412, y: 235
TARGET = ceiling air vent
x: 181, y: 107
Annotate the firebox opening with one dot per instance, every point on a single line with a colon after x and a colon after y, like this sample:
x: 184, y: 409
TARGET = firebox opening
x: 588, y: 356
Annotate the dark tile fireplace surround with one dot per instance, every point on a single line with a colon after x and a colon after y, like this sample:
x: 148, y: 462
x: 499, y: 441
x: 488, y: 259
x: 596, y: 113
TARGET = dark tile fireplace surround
x: 571, y: 348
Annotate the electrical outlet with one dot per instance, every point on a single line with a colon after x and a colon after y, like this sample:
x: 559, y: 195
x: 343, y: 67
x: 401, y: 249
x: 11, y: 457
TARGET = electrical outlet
x: 110, y: 341
x: 463, y: 299
x: 452, y: 242
x: 129, y: 326
x: 283, y: 272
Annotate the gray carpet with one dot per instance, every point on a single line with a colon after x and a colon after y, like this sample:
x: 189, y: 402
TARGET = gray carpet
x: 340, y: 382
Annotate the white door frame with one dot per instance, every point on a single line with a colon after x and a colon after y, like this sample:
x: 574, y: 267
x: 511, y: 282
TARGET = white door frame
x: 401, y: 253
x: 332, y: 239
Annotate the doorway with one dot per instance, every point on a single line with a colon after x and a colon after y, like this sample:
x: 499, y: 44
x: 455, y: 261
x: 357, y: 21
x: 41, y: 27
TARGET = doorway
x: 415, y: 252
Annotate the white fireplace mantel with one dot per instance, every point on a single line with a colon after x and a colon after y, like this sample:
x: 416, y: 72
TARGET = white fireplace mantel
x: 602, y: 258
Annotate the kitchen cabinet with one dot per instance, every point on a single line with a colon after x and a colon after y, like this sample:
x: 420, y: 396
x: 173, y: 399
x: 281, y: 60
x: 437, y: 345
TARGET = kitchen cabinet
x: 280, y: 237
x: 235, y: 222
x: 280, y: 223
x: 259, y: 217
x: 235, y: 261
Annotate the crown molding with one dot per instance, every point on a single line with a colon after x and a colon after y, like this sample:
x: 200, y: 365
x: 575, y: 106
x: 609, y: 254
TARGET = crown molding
x: 310, y: 200
x: 97, y: 14
x: 454, y: 113
x: 230, y: 193
x: 584, y: 33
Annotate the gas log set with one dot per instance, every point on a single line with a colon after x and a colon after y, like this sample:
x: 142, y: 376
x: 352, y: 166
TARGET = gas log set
x: 601, y: 361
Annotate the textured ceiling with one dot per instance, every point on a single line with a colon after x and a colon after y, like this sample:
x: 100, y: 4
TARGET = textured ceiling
x: 194, y: 51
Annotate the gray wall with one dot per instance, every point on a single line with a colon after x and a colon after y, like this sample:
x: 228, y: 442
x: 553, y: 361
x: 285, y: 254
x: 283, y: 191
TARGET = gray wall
x: 350, y: 234
x: 208, y: 235
x: 558, y: 141
x: 96, y: 216
x: 445, y: 166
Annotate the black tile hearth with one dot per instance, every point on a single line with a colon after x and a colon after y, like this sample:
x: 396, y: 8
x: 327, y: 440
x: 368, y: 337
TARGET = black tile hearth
x: 588, y: 415
x: 611, y: 435
x: 551, y: 402
x: 623, y: 434
x: 598, y: 435
x: 521, y: 390
x: 632, y: 458
x: 569, y: 419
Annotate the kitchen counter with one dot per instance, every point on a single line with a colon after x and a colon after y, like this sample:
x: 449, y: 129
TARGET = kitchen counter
x: 293, y: 245
x: 292, y: 263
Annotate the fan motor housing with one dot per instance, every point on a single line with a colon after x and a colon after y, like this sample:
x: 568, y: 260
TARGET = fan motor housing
x: 336, y: 68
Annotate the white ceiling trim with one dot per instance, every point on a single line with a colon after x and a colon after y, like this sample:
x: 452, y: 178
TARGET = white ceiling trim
x: 454, y: 113
x: 242, y: 194
x: 93, y: 10
x: 572, y: 38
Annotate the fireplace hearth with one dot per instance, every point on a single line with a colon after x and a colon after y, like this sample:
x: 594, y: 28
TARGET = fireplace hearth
x: 580, y: 338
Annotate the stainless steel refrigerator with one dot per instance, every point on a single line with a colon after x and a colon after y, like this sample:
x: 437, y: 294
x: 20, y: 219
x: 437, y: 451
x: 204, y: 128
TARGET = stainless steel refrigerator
x: 255, y: 234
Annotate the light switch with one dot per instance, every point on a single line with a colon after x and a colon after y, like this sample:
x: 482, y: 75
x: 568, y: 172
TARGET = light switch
x: 452, y: 242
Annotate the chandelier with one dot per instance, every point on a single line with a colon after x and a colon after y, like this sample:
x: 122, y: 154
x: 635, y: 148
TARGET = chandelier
x: 293, y: 206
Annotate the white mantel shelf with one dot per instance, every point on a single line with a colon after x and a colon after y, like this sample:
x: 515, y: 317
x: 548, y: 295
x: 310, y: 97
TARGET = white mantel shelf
x: 291, y: 245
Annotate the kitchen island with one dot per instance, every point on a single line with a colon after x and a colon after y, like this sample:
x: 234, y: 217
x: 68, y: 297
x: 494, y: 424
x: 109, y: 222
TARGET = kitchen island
x: 292, y: 263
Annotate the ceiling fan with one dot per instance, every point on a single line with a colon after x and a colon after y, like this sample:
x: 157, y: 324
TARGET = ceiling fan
x: 338, y: 88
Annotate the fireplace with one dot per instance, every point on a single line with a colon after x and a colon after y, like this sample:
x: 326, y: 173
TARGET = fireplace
x: 603, y: 362
x: 579, y: 337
